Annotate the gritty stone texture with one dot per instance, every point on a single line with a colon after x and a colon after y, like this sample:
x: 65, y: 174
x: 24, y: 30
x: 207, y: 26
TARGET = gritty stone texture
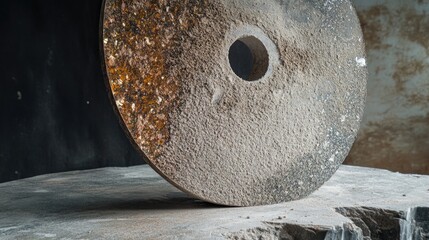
x: 136, y: 203
x: 220, y: 138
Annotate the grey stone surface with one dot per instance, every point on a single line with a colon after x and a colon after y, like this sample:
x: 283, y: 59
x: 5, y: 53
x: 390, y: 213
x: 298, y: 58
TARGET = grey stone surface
x: 135, y: 203
x: 223, y: 139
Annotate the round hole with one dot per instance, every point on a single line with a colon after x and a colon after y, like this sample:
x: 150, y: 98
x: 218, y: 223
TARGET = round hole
x: 248, y: 58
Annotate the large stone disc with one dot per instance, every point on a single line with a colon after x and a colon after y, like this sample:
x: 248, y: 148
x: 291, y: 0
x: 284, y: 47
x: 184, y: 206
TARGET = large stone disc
x: 238, y: 102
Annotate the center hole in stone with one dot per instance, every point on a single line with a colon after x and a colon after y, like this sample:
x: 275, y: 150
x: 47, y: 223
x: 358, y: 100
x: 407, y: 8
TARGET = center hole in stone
x: 248, y: 58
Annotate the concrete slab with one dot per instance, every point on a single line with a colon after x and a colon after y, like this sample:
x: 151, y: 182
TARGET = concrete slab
x: 135, y: 203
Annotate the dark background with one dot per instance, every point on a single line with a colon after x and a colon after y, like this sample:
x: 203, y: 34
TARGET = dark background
x: 55, y: 113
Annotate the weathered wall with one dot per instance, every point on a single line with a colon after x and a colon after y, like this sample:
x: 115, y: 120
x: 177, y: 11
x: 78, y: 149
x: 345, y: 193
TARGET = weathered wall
x: 395, y: 128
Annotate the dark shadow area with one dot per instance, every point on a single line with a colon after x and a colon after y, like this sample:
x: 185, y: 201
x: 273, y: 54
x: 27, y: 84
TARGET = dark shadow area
x: 241, y: 59
x: 42, y: 205
x: 55, y: 114
x: 175, y: 203
x: 93, y: 191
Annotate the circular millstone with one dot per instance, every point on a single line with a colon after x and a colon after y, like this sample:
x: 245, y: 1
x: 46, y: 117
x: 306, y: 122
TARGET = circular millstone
x: 238, y: 102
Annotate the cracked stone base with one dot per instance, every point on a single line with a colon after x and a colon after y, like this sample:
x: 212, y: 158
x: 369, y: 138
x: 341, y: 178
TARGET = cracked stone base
x: 135, y: 203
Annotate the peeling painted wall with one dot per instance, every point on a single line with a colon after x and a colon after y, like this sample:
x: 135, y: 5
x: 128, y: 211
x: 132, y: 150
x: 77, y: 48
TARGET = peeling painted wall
x: 395, y: 129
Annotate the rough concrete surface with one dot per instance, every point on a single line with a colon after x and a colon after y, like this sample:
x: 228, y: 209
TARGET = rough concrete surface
x: 135, y: 203
x: 216, y: 136
x: 395, y: 128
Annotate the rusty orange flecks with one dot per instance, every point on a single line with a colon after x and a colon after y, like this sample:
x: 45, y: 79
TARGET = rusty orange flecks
x: 140, y: 38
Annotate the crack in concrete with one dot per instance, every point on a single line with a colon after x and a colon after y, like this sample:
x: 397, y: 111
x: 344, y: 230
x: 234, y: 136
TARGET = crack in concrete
x: 367, y: 224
